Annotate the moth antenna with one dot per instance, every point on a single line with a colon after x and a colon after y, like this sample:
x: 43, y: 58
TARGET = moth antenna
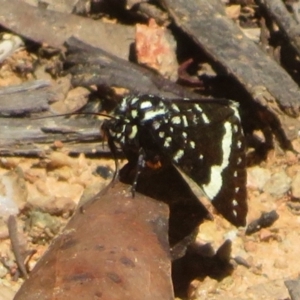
x: 76, y: 113
x: 110, y: 142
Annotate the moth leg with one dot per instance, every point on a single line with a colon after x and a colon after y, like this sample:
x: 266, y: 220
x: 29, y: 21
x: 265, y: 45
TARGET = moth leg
x: 113, y: 150
x: 140, y: 165
x: 117, y: 169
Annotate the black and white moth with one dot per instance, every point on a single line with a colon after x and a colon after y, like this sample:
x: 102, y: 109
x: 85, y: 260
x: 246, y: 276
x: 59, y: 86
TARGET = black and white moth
x: 203, y: 138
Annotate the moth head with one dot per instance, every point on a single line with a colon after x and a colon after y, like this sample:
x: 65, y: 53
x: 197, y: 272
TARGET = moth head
x: 119, y: 130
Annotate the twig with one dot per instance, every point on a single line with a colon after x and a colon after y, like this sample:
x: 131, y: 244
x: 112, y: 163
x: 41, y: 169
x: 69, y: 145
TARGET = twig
x: 13, y: 234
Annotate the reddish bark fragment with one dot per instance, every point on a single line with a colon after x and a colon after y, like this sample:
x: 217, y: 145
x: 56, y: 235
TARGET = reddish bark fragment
x: 155, y: 48
x: 116, y: 247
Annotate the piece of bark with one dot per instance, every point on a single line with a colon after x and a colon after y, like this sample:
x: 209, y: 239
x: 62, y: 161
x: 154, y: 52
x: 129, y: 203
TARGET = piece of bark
x: 24, y: 87
x: 94, y: 66
x: 102, y: 253
x: 24, y: 136
x: 64, y: 6
x: 293, y: 287
x: 295, y: 7
x: 13, y: 234
x: 206, y: 23
x: 30, y: 97
x: 55, y: 28
x: 149, y: 10
x: 285, y: 21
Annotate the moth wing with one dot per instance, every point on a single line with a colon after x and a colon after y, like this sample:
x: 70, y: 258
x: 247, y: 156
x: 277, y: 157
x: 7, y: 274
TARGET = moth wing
x: 206, y: 142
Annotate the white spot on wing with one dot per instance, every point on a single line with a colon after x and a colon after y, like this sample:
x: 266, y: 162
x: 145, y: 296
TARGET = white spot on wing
x: 239, y: 144
x: 192, y: 144
x: 145, y: 104
x: 176, y: 120
x: 185, y: 122
x: 195, y: 119
x: 167, y: 142
x: 184, y: 134
x: 198, y: 108
x: 205, y: 118
x: 178, y: 155
x: 214, y: 186
x: 161, y: 134
x: 175, y: 107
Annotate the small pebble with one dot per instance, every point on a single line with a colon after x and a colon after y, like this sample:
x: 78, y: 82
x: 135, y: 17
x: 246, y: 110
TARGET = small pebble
x: 265, y: 235
x: 58, y: 144
x: 280, y: 263
x: 250, y: 246
x: 233, y: 11
x: 278, y: 184
x: 202, y: 289
x: 296, y: 186
x: 258, y: 177
x: 3, y: 271
x: 59, y: 159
